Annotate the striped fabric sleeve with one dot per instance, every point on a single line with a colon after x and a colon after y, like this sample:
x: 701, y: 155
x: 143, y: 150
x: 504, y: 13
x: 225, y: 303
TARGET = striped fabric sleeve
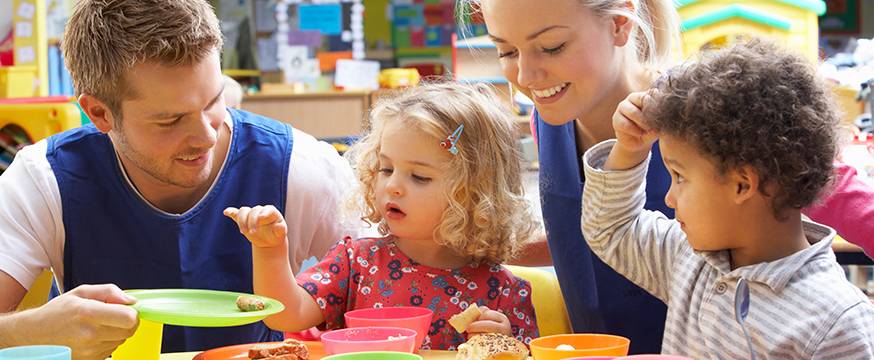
x: 851, y: 335
x: 641, y: 245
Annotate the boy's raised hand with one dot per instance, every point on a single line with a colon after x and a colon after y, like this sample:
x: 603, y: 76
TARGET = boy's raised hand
x: 264, y: 226
x: 633, y: 135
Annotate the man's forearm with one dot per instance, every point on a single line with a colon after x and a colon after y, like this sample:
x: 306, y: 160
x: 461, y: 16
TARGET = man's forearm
x: 12, y: 326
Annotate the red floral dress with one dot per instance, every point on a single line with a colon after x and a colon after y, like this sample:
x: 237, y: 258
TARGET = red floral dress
x: 373, y: 272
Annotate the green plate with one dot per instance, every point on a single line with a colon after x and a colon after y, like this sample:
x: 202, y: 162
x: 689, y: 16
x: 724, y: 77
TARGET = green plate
x: 203, y: 308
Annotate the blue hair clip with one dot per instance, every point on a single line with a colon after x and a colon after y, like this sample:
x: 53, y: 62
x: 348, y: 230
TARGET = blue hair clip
x: 451, y: 140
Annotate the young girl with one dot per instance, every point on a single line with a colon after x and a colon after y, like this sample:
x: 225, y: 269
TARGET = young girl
x: 440, y: 175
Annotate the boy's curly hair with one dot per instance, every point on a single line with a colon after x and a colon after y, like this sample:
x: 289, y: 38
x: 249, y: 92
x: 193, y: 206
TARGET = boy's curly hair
x: 488, y: 217
x: 754, y: 104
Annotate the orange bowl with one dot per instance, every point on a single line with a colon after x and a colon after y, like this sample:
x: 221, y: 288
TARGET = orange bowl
x: 544, y: 348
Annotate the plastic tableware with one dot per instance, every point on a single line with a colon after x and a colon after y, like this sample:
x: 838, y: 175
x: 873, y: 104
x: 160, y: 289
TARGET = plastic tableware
x: 241, y: 352
x: 593, y: 358
x: 36, y: 352
x: 374, y: 355
x: 410, y: 317
x: 369, y: 339
x: 184, y: 307
x: 144, y: 344
x: 654, y: 357
x: 203, y: 308
x: 544, y: 348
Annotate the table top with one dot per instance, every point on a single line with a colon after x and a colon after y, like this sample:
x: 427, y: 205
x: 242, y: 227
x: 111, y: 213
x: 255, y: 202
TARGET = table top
x: 427, y: 354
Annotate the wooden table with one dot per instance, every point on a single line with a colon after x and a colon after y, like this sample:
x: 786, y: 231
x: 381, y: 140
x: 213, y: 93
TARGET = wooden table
x: 427, y: 354
x: 323, y: 115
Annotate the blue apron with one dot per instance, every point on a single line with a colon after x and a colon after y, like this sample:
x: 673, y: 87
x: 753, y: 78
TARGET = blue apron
x: 598, y: 299
x: 113, y: 236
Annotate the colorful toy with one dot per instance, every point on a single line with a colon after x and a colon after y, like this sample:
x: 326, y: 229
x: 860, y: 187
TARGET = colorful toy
x: 25, y: 121
x: 397, y: 78
x: 29, y: 75
x: 27, y: 113
x: 717, y: 23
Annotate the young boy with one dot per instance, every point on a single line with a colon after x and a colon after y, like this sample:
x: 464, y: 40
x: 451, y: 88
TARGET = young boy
x: 748, y: 136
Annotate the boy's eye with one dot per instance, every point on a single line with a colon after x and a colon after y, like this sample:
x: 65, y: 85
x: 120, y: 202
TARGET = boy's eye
x: 678, y: 176
x: 386, y: 171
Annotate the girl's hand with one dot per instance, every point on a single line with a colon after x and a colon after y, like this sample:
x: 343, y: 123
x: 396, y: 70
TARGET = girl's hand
x: 490, y: 321
x: 264, y: 226
x: 632, y: 132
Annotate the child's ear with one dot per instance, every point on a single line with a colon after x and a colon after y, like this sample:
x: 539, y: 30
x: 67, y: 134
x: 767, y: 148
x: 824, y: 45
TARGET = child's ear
x: 746, y: 182
x: 98, y: 112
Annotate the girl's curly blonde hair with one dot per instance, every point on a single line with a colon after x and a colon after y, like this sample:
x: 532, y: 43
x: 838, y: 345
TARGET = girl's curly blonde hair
x: 488, y: 217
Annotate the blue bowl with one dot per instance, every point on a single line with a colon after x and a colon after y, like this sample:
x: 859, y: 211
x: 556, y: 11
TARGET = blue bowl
x: 36, y: 352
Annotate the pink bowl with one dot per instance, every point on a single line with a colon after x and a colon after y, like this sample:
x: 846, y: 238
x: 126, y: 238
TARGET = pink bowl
x: 408, y: 317
x: 369, y: 339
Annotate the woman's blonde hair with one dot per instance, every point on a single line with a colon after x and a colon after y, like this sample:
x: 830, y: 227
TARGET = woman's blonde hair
x: 488, y: 217
x: 655, y: 32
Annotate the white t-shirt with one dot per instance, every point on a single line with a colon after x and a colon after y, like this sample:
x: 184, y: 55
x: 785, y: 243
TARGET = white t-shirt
x: 32, y: 229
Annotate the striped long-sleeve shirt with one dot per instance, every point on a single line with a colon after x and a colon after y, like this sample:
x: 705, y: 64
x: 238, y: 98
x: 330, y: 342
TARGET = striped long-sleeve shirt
x: 801, y: 306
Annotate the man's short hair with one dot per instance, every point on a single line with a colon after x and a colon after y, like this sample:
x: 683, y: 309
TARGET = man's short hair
x: 104, y: 39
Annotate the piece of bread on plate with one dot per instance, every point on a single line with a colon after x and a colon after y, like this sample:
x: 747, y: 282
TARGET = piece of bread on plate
x: 492, y: 347
x: 290, y: 349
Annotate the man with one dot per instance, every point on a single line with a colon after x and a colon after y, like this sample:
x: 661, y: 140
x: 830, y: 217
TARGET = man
x: 136, y: 199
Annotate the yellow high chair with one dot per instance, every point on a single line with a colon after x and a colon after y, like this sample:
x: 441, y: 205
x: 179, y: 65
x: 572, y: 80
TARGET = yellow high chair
x: 552, y: 318
x: 38, y: 294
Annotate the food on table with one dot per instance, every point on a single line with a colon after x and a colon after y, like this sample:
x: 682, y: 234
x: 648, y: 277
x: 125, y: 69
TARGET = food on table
x: 250, y: 303
x: 461, y: 320
x: 564, y: 347
x: 290, y: 349
x: 492, y: 347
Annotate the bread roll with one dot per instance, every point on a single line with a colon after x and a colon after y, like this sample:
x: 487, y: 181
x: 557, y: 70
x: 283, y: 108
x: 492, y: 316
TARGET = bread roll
x: 492, y: 347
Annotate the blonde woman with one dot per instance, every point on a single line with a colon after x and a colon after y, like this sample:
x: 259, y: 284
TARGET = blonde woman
x: 440, y: 175
x: 578, y: 59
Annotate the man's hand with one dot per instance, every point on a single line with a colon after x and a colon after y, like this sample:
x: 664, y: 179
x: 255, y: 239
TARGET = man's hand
x: 92, y: 320
x: 264, y: 226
